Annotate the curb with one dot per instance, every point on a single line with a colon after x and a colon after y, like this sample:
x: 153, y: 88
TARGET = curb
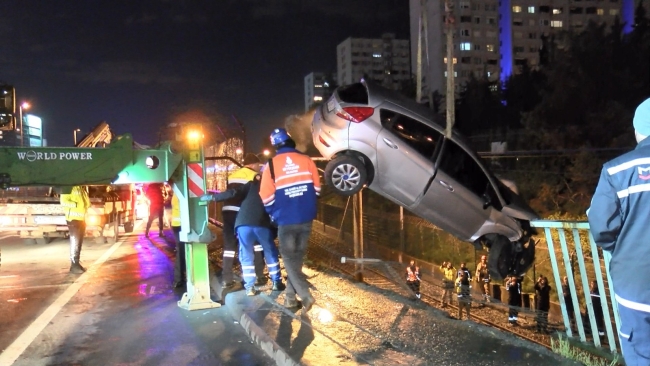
x: 238, y: 305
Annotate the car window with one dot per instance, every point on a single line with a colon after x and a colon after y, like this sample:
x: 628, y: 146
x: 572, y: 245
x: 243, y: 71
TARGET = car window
x: 461, y: 166
x: 353, y: 93
x: 415, y: 133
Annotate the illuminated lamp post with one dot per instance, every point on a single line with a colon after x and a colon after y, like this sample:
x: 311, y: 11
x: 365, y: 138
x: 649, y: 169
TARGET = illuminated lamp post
x: 24, y: 106
x: 75, y: 135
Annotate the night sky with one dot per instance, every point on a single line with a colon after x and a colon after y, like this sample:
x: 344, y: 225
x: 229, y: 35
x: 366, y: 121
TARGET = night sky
x: 141, y: 64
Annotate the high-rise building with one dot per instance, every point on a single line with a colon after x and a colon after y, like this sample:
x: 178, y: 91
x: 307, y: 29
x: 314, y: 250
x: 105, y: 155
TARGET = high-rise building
x: 318, y: 88
x: 494, y: 38
x: 385, y: 60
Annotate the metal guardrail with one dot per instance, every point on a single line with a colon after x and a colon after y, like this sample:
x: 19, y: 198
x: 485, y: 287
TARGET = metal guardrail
x: 593, y: 268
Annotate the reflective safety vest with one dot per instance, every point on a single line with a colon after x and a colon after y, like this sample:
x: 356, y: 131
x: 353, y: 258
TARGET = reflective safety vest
x: 76, y: 204
x: 176, y: 211
x: 412, y: 276
x: 236, y: 179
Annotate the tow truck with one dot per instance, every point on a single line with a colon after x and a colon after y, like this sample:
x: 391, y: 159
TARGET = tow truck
x: 120, y: 163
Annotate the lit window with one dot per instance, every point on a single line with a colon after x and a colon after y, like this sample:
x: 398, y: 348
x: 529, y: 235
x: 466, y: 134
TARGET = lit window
x: 531, y: 9
x: 556, y: 23
x: 516, y: 9
x: 557, y: 10
x: 317, y: 98
x: 489, y: 73
x: 613, y: 11
x: 455, y: 60
x: 376, y: 55
x: 489, y: 47
x: 326, y: 84
x: 318, y: 86
x: 455, y: 74
x: 600, y: 11
x: 465, y: 46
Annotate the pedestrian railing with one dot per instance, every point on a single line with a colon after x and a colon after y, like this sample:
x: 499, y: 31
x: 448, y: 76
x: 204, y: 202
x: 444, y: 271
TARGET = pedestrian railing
x: 580, y: 243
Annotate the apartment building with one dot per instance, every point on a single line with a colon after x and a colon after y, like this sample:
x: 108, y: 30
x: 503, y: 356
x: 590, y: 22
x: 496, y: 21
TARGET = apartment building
x: 493, y: 38
x: 318, y: 88
x: 385, y: 60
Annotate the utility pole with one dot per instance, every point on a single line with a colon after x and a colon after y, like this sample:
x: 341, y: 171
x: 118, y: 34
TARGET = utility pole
x: 451, y: 80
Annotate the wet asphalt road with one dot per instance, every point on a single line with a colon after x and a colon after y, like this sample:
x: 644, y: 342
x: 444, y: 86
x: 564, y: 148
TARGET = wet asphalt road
x: 123, y: 311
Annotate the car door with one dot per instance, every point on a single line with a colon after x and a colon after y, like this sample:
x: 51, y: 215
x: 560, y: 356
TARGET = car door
x: 405, y: 147
x: 456, y: 200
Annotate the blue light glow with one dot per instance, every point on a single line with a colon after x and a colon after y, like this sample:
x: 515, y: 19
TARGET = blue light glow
x: 505, y: 39
x: 627, y: 16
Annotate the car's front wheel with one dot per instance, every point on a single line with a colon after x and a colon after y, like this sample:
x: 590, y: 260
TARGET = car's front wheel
x: 346, y: 174
x: 506, y: 258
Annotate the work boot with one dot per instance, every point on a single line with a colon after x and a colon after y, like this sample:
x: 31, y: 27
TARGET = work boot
x: 228, y: 284
x: 251, y: 291
x: 307, y: 304
x: 76, y: 268
x: 75, y: 253
x: 290, y: 303
x: 261, y: 281
x: 278, y: 286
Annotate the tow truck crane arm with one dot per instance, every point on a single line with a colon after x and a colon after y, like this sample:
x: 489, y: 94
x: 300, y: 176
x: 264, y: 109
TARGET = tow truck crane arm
x: 100, y: 136
x: 118, y: 163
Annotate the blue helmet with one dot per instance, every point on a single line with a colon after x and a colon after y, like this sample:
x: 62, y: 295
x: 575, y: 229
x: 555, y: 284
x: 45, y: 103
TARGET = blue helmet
x: 279, y: 136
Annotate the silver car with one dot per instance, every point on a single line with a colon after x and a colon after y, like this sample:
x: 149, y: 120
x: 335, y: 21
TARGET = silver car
x: 377, y: 138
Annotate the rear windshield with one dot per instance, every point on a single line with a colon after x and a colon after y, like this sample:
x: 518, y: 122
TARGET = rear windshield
x: 353, y: 93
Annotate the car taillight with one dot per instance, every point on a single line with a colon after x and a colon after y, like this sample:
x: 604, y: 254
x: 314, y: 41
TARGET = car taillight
x: 356, y: 114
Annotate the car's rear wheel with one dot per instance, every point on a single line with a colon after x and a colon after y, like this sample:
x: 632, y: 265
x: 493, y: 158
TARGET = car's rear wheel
x: 507, y: 258
x: 346, y: 175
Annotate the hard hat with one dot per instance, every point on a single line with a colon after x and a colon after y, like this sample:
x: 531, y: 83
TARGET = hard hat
x: 279, y: 136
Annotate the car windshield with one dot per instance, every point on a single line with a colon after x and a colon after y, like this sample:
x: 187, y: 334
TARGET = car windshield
x: 353, y: 93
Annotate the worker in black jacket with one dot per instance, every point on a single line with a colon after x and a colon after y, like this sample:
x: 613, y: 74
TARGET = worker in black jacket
x: 252, y: 225
x: 229, y: 212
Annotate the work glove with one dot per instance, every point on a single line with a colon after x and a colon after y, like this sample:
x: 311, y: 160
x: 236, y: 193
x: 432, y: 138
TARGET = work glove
x: 207, y: 198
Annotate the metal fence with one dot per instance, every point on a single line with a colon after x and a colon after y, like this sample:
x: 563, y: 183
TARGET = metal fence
x: 593, y: 263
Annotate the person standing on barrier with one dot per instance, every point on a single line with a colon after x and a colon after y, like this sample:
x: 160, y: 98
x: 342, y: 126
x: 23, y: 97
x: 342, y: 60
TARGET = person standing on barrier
x: 542, y: 304
x: 75, y: 204
x: 462, y: 292
x: 289, y: 189
x: 229, y: 212
x: 448, y: 273
x: 483, y: 278
x: 413, y: 278
x: 514, y: 299
x: 620, y: 224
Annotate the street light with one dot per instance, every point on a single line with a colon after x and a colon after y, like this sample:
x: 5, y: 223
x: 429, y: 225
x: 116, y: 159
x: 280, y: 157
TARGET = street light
x: 22, y: 106
x: 239, y: 151
x: 266, y: 152
x: 75, y: 135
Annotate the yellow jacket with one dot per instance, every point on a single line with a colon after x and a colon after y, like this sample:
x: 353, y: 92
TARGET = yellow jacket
x: 76, y: 204
x: 448, y: 273
x: 176, y: 211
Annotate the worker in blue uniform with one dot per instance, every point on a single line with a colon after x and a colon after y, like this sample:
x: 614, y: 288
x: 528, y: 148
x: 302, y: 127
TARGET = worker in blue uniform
x: 619, y: 219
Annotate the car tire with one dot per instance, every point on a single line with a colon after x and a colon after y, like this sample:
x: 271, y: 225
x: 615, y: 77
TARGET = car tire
x: 346, y: 175
x: 504, y: 259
